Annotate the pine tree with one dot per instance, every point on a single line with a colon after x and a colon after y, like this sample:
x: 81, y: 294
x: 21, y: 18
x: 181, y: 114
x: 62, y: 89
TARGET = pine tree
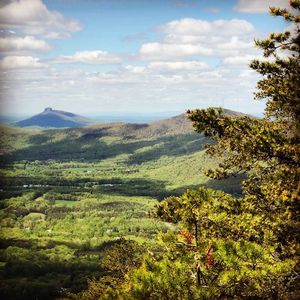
x: 268, y: 149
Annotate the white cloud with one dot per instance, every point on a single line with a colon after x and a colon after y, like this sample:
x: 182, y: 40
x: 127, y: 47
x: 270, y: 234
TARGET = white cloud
x: 21, y: 62
x: 178, y: 66
x: 165, y: 88
x: 169, y: 51
x: 161, y: 69
x: 259, y: 6
x: 248, y: 74
x: 96, y: 57
x: 34, y: 18
x: 235, y: 44
x: 240, y: 60
x: 23, y: 44
x: 184, y: 39
x: 189, y: 26
x: 172, y: 73
x: 135, y: 69
x: 193, y: 37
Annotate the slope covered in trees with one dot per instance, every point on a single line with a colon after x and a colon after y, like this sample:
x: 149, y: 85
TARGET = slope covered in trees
x: 236, y: 248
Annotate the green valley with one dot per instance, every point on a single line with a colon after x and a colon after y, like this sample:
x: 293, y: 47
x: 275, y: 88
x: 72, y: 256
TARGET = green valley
x: 69, y: 195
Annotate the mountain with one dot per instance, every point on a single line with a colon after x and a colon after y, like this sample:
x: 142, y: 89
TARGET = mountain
x: 177, y: 125
x: 173, y: 136
x: 55, y: 119
x: 168, y: 151
x: 171, y: 126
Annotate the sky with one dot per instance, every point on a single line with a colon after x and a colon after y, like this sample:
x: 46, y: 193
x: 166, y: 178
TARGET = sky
x: 101, y: 57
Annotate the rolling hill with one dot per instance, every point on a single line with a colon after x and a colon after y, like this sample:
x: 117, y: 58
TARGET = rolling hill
x: 102, y: 140
x: 167, y: 152
x: 98, y: 141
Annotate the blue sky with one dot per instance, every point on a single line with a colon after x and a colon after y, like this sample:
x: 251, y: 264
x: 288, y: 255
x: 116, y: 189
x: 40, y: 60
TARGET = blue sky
x: 130, y: 56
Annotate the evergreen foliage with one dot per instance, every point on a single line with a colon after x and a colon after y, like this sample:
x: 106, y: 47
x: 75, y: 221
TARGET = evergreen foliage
x: 239, y: 248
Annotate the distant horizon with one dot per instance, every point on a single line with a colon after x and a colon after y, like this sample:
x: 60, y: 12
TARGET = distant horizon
x: 139, y: 117
x: 131, y: 57
x: 105, y: 117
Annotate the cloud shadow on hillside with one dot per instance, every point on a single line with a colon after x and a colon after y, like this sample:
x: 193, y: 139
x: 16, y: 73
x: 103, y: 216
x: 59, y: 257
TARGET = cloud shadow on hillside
x: 91, y: 149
